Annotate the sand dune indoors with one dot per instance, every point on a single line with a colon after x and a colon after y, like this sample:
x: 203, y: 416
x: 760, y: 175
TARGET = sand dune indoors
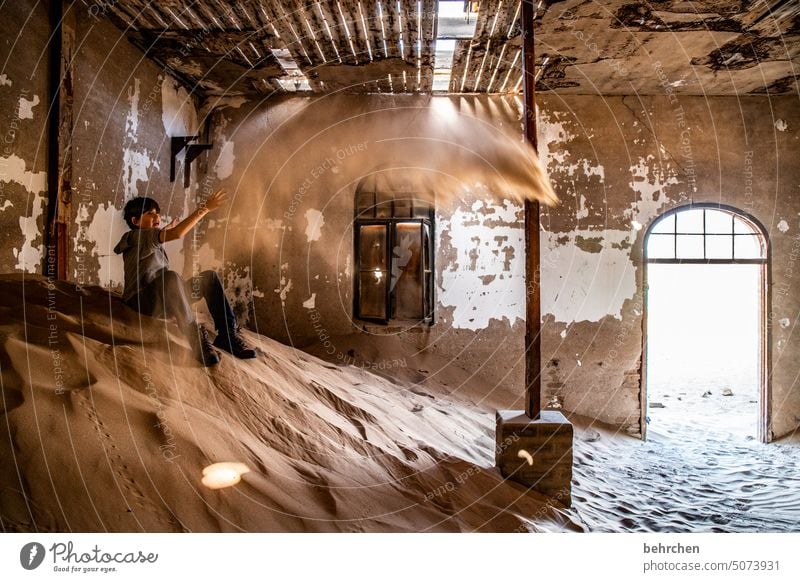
x: 96, y: 440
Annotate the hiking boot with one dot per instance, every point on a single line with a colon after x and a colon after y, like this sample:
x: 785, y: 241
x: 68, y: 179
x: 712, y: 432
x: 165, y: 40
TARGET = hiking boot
x: 235, y: 345
x: 202, y: 348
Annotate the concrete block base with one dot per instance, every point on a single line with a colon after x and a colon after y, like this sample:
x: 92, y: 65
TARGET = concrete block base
x: 536, y: 453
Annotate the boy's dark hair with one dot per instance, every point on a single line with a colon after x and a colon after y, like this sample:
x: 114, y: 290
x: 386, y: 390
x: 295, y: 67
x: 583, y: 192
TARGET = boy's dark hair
x: 138, y: 206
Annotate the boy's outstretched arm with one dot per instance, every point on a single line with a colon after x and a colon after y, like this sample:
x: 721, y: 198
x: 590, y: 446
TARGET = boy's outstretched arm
x: 175, y: 231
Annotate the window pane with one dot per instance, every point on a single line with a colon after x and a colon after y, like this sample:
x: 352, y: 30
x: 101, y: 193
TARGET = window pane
x: 665, y: 224
x: 402, y: 207
x: 690, y: 221
x: 747, y: 247
x: 689, y: 246
x: 661, y: 246
x: 384, y: 208
x: 366, y: 205
x: 718, y: 222
x: 719, y: 246
x: 422, y: 208
x: 407, y: 280
x: 740, y: 226
x: 373, y: 247
x: 372, y: 294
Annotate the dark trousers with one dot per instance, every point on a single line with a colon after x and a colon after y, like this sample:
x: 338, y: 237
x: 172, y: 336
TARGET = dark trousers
x: 170, y: 296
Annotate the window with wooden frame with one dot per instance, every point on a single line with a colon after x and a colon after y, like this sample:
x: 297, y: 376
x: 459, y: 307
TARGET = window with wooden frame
x: 394, y: 257
x: 704, y: 234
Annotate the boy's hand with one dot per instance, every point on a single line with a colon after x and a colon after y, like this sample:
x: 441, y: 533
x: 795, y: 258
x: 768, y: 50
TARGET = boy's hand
x: 216, y: 200
x: 172, y: 223
x: 176, y: 230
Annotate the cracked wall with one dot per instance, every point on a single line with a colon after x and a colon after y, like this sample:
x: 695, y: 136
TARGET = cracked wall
x: 23, y: 137
x: 126, y: 109
x: 285, y: 244
x: 298, y: 164
x: 657, y: 152
x: 617, y: 163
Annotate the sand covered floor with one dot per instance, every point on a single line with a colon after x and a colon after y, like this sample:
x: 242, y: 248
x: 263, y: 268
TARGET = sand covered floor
x: 700, y: 470
x: 686, y: 478
x: 108, y: 424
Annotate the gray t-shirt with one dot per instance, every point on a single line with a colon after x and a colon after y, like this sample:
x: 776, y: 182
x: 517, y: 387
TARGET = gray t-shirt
x: 143, y: 256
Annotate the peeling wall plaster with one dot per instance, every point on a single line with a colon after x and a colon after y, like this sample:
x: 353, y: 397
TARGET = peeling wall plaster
x: 552, y: 132
x: 29, y: 256
x: 132, y: 118
x: 136, y: 162
x: 485, y: 279
x: 178, y: 114
x: 226, y: 158
x: 572, y: 173
x: 135, y: 149
x: 285, y: 284
x: 5, y: 81
x: 240, y: 291
x: 26, y: 107
x: 205, y: 258
x: 315, y: 221
x: 223, y: 167
x: 578, y: 285
x: 135, y: 169
x: 104, y: 230
x: 650, y: 177
x: 12, y: 169
x: 588, y: 274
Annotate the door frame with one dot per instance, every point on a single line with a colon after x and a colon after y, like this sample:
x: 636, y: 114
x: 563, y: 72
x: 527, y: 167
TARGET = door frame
x: 764, y: 421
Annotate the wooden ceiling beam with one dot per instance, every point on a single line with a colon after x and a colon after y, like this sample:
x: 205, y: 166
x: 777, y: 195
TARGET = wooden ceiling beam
x: 304, y: 54
x: 134, y: 17
x: 324, y: 18
x: 427, y: 34
x: 459, y: 63
x: 375, y: 26
x: 393, y: 29
x: 350, y: 15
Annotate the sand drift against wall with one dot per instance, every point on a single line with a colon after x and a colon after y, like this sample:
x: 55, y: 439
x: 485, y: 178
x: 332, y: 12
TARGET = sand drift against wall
x: 110, y: 424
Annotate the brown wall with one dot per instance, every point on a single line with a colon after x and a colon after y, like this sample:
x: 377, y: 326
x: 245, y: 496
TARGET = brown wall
x: 24, y: 70
x: 656, y: 153
x: 296, y: 159
x: 616, y: 163
x: 126, y: 109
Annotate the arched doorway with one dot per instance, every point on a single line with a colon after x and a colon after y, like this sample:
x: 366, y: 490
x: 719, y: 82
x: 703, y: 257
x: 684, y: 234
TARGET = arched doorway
x: 705, y: 322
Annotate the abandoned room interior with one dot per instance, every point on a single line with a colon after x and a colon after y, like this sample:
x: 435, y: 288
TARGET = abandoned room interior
x: 441, y: 344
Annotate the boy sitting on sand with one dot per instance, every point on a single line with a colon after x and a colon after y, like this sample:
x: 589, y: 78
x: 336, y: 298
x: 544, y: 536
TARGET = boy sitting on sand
x: 152, y: 289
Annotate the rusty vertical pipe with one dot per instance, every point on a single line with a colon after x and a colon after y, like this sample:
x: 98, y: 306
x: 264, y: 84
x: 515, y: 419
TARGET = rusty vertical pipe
x: 533, y: 315
x: 59, y: 146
